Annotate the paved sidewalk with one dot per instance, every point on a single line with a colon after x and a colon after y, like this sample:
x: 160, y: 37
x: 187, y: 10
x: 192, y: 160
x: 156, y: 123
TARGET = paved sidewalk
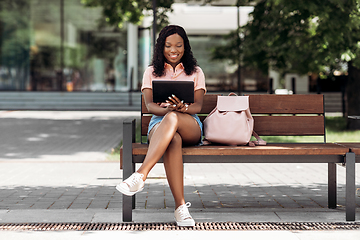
x: 59, y: 136
x: 84, y: 192
x: 55, y: 168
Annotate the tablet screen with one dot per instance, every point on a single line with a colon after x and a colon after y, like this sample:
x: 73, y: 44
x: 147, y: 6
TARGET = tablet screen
x: 162, y: 89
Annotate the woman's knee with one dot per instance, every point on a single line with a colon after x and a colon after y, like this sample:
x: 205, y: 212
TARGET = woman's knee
x: 171, y: 117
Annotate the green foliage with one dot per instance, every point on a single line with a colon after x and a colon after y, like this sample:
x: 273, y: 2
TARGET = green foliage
x: 335, y: 124
x: 117, y: 12
x: 336, y: 130
x: 15, y: 40
x: 300, y: 36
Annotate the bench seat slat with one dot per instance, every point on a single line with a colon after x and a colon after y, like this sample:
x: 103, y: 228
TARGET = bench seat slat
x: 255, y: 159
x: 353, y: 146
x: 269, y: 149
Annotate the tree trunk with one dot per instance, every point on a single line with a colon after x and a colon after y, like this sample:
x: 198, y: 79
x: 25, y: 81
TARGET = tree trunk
x: 353, y: 97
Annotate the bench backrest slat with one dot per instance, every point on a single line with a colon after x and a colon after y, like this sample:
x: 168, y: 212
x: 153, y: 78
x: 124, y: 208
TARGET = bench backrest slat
x: 289, y: 125
x: 274, y: 115
x: 286, y: 104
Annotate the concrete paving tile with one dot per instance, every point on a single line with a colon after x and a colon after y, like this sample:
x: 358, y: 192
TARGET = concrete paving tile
x: 41, y: 205
x: 312, y: 216
x: 78, y: 206
x: 34, y: 216
x: 22, y: 206
x: 2, y: 214
x: 114, y: 205
x: 98, y: 205
x: 225, y: 215
x: 60, y: 205
x: 109, y: 216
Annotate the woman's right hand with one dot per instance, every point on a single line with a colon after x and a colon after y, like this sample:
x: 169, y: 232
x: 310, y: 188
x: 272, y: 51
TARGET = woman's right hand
x: 177, y: 105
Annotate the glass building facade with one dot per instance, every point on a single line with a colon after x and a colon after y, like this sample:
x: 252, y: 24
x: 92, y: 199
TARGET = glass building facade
x: 56, y: 45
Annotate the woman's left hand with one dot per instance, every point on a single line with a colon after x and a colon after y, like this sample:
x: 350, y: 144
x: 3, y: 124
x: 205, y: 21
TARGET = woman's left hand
x: 178, y: 105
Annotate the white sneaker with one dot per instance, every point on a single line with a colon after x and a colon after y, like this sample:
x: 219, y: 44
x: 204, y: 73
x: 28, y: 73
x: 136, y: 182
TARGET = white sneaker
x: 132, y: 185
x: 183, y: 217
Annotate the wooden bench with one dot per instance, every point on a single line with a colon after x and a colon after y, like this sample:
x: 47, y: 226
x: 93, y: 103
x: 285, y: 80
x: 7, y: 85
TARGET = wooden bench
x: 274, y: 115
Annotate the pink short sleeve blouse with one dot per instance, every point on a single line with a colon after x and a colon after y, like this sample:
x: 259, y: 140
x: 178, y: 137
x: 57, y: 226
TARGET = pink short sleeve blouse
x: 179, y: 74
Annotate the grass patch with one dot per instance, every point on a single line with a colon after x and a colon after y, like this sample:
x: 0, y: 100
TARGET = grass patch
x: 336, y: 131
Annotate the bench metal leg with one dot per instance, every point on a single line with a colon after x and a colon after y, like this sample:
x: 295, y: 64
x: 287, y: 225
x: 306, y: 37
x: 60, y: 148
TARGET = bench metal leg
x: 128, y: 166
x: 350, y: 186
x: 332, y: 198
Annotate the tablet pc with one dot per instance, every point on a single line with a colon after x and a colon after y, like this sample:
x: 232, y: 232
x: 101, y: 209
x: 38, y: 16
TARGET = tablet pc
x: 162, y: 89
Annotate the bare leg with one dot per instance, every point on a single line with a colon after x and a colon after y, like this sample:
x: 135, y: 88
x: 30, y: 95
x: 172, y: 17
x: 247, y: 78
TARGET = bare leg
x: 175, y: 129
x: 173, y: 164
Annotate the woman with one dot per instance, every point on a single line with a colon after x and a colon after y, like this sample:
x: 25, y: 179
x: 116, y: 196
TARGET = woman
x: 174, y: 123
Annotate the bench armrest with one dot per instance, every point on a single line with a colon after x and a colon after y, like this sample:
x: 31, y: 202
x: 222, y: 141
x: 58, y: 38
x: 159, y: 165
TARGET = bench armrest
x: 129, y: 130
x: 128, y: 139
x: 128, y: 165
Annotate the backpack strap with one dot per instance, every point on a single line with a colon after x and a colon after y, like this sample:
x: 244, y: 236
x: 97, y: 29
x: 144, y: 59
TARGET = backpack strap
x: 259, y: 142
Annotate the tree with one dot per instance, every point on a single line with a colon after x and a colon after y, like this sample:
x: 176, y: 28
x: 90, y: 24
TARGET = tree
x: 117, y: 12
x: 306, y: 36
x: 302, y: 36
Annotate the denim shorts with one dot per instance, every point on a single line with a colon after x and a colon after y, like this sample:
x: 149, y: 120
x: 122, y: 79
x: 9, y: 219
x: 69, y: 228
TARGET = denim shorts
x: 156, y: 119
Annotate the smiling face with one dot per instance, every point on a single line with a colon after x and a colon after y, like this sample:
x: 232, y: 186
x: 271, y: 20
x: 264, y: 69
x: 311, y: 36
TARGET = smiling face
x: 174, y: 49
